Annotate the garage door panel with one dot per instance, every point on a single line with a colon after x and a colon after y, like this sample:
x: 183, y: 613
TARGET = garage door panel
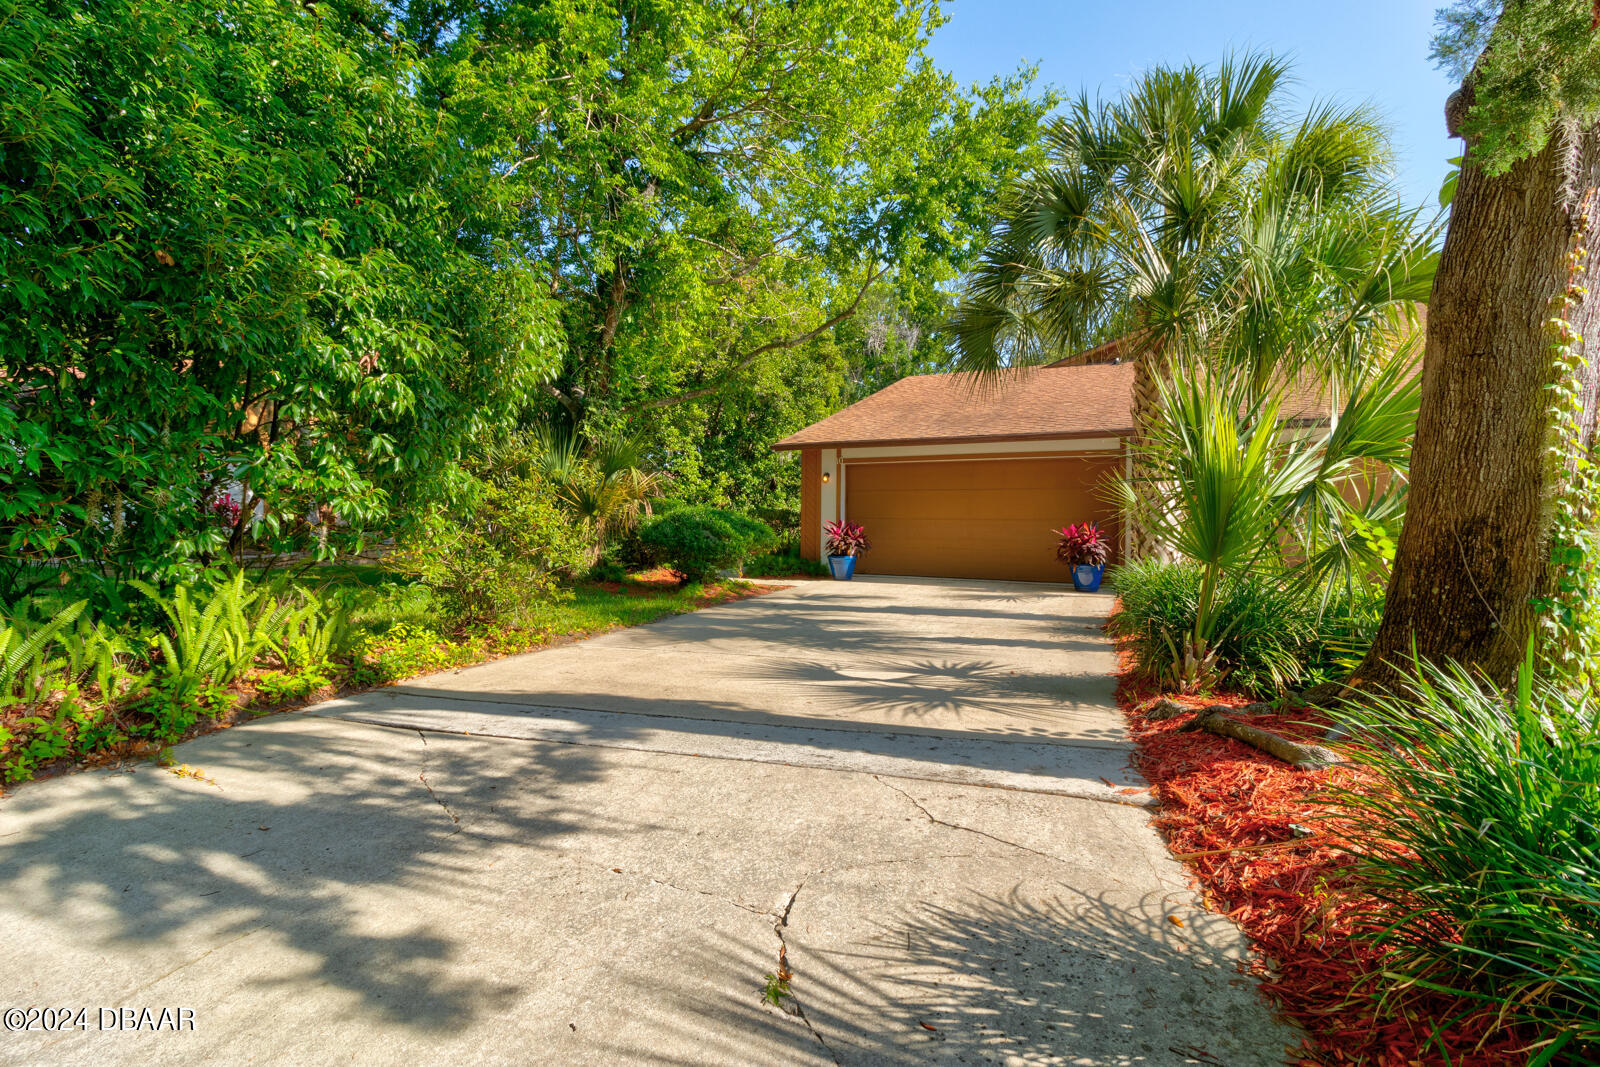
x: 989, y: 518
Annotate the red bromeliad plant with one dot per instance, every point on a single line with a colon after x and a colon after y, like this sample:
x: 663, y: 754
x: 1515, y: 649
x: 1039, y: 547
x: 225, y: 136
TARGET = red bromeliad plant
x: 847, y: 539
x: 1082, y: 543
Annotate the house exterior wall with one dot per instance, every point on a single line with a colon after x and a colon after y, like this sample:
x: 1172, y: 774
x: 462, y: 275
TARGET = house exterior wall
x: 811, y: 503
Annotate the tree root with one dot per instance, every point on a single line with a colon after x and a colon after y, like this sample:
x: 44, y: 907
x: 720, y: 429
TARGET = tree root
x: 1300, y: 756
x: 1327, y: 695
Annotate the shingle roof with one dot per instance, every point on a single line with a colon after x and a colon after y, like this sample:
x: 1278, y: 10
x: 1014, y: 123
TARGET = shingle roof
x: 1040, y: 402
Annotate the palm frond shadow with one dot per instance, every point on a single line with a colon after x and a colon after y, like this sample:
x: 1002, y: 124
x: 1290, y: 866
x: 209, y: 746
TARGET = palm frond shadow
x: 1021, y: 977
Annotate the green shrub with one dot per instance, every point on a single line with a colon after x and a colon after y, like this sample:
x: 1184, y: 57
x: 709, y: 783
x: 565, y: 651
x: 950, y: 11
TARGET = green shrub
x: 697, y: 542
x: 493, y: 564
x: 782, y: 564
x: 628, y: 549
x: 1274, y: 634
x: 758, y: 536
x: 607, y: 569
x: 1481, y: 837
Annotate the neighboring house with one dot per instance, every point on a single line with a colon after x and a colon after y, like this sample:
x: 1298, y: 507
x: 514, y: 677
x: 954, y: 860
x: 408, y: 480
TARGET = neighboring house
x: 955, y: 475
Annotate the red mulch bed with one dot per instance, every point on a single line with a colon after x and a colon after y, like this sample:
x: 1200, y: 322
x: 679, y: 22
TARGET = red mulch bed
x: 663, y: 580
x: 1235, y: 817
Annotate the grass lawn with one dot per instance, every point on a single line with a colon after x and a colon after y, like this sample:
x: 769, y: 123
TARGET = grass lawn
x: 378, y: 600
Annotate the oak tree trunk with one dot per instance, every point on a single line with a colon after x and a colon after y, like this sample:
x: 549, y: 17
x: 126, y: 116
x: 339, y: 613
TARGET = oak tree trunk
x: 1474, y: 550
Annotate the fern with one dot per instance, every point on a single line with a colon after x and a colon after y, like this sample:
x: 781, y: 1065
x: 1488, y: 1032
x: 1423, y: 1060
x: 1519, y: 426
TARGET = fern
x: 214, y: 642
x: 23, y: 665
x: 314, y: 633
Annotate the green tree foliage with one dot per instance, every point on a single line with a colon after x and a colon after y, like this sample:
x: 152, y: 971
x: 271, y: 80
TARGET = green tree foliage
x: 238, y: 251
x: 495, y: 559
x: 708, y: 187
x: 717, y: 447
x: 1197, y: 215
x: 1534, y: 67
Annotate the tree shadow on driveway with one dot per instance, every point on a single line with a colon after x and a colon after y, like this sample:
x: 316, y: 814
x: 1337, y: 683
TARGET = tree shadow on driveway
x: 323, y: 845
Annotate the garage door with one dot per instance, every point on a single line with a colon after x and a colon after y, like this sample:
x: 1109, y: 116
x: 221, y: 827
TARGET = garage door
x: 989, y: 518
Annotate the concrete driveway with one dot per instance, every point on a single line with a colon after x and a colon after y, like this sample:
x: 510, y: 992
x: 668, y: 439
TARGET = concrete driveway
x: 916, y: 791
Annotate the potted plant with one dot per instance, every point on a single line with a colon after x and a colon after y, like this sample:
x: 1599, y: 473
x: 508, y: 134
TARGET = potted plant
x: 1085, y: 549
x: 846, y: 542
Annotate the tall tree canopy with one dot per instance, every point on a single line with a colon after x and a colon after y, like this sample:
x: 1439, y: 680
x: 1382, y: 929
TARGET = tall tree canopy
x: 308, y: 253
x: 1197, y: 216
x: 1535, y: 70
x: 236, y: 249
x: 709, y: 185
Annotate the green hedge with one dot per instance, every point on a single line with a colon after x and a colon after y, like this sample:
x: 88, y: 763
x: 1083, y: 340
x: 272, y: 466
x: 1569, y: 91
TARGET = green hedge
x: 697, y: 542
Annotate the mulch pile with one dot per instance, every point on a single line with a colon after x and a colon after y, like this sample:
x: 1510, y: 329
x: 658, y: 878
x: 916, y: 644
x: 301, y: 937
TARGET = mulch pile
x: 1265, y: 854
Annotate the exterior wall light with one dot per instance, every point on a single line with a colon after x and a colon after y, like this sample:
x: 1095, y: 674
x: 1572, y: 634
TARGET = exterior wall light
x: 826, y: 477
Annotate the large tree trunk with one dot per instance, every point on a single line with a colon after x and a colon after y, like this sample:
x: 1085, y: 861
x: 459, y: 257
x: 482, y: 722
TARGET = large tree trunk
x: 1474, y: 548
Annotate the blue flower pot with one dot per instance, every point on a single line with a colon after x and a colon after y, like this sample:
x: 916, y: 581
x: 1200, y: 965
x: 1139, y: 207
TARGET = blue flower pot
x: 1086, y: 577
x: 843, y: 567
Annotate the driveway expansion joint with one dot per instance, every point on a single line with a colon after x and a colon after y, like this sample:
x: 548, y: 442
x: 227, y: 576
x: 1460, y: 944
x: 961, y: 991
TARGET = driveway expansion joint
x: 819, y: 726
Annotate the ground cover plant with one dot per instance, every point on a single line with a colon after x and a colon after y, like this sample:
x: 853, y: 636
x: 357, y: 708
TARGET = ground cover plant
x: 74, y: 691
x: 1478, y: 828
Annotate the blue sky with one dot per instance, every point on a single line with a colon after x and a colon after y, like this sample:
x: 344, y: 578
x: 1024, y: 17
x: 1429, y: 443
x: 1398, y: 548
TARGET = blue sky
x: 1354, y: 50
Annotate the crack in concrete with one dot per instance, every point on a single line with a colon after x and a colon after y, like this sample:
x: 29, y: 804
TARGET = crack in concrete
x: 437, y: 799
x: 705, y: 893
x: 422, y: 776
x: 957, y: 826
x: 190, y: 963
x: 780, y: 920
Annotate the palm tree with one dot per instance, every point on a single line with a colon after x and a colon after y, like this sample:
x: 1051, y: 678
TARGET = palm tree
x: 1194, y: 217
x: 1240, y: 495
x: 604, y: 483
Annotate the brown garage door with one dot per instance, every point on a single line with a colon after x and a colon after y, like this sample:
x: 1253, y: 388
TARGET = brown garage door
x: 989, y: 518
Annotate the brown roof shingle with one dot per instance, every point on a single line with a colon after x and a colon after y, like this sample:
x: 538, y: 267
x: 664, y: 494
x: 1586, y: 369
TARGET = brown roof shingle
x: 1039, y: 402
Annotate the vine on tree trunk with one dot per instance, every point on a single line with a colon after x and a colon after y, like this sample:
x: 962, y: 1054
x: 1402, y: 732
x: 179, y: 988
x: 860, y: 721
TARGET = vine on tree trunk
x: 1569, y: 606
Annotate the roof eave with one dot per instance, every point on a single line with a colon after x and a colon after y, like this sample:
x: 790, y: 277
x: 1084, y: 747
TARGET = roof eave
x: 787, y: 445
